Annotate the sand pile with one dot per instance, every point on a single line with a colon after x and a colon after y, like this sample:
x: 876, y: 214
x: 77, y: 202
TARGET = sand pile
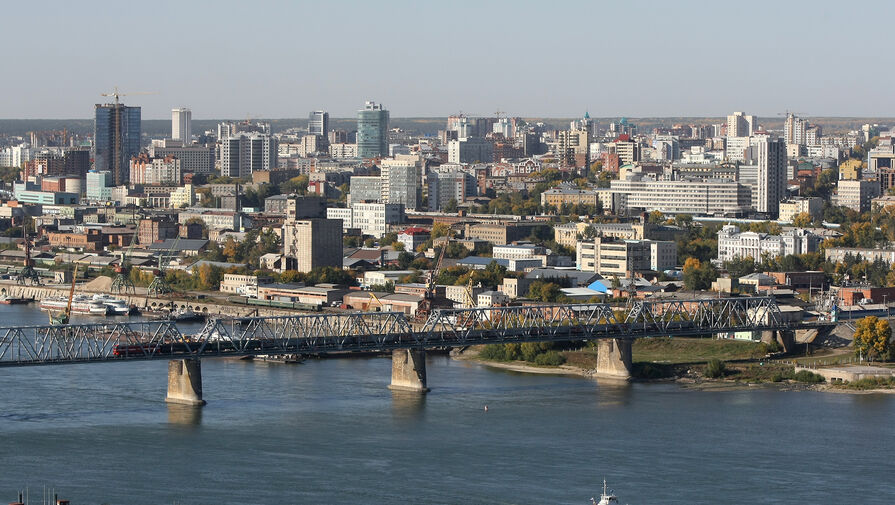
x: 102, y: 283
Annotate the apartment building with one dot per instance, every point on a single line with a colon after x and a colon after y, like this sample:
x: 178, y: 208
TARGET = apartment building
x: 624, y: 258
x: 732, y: 243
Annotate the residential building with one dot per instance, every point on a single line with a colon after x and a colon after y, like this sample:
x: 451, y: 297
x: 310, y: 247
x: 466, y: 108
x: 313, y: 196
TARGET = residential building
x: 182, y: 125
x: 305, y: 207
x: 771, y: 186
x: 624, y: 258
x: 790, y: 208
x: 371, y: 218
x: 116, y: 137
x: 184, y: 196
x: 445, y: 186
x: 242, y: 154
x: 400, y: 181
x: 413, y: 237
x: 313, y: 243
x: 732, y: 243
x: 470, y: 150
x: 565, y: 195
x: 213, y: 219
x: 741, y: 125
x: 795, y: 130
x: 857, y: 195
x: 372, y: 131
x: 838, y: 254
x: 499, y: 234
x: 155, y: 171
x: 194, y: 159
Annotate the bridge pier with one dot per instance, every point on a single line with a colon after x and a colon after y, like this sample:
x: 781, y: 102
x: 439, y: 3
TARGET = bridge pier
x: 614, y: 358
x: 409, y: 371
x: 786, y: 339
x: 185, y: 382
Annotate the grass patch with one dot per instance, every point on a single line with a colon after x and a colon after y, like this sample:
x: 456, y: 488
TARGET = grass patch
x: 870, y: 383
x: 695, y: 350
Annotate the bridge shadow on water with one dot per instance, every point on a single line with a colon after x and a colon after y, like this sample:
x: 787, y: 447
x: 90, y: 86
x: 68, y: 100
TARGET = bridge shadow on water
x: 613, y: 392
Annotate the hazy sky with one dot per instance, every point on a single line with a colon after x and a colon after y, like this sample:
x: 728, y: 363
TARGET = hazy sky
x: 233, y: 59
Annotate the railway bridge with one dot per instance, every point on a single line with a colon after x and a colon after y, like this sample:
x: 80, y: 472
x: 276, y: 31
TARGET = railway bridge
x: 613, y: 327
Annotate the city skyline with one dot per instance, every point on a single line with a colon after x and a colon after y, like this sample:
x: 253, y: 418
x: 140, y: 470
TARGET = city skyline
x: 665, y: 61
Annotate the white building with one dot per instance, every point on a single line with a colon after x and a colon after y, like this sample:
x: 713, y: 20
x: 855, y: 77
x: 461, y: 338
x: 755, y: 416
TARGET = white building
x: 609, y: 256
x: 470, y: 150
x: 732, y: 243
x: 741, y: 125
x: 182, y: 125
x: 242, y: 154
x: 400, y: 181
x: 372, y: 218
x: 645, y: 194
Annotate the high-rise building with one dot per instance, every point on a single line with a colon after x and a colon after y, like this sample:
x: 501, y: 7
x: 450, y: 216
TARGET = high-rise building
x: 450, y: 185
x: 741, y: 125
x: 181, y: 125
x: 243, y: 154
x: 318, y: 123
x: 116, y: 137
x: 401, y: 181
x: 794, y: 130
x: 771, y: 186
x: 372, y: 131
x: 310, y: 243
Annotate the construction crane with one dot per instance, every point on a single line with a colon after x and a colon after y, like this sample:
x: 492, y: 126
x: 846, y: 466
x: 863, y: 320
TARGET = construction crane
x: 159, y: 285
x: 377, y: 300
x: 116, y: 94
x: 65, y: 316
x: 28, y: 272
x: 122, y: 281
x: 425, y: 306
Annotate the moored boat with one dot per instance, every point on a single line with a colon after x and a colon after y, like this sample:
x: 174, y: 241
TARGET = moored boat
x: 79, y: 305
x: 15, y: 300
x: 116, y: 306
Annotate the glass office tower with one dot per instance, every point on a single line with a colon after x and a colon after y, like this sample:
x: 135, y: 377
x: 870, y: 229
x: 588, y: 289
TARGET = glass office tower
x: 116, y: 138
x: 372, y: 131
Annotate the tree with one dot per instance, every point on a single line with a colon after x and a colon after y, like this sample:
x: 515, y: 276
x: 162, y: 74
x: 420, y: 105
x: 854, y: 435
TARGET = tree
x: 440, y: 230
x: 451, y: 206
x: 655, y: 217
x: 739, y: 267
x: 698, y: 275
x: 802, y: 220
x: 872, y: 338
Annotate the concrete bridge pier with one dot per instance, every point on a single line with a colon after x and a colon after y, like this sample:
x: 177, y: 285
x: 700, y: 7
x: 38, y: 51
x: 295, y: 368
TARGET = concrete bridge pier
x: 409, y: 371
x: 786, y: 339
x: 185, y: 382
x: 614, y: 358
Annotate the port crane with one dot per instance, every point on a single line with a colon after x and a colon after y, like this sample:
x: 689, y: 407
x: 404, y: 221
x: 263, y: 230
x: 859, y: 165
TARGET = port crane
x: 159, y: 285
x: 122, y: 281
x: 65, y: 316
x: 28, y: 272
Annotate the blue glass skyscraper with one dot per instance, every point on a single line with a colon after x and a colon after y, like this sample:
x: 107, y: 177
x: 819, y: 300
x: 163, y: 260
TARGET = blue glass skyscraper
x: 116, y: 137
x: 372, y: 131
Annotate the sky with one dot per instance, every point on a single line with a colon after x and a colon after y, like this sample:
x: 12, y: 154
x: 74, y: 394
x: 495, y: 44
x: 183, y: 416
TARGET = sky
x: 266, y: 59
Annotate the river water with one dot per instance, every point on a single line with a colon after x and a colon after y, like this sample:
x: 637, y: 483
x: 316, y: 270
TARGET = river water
x: 331, y: 432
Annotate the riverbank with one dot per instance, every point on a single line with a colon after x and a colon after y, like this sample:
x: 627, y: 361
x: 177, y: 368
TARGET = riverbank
x: 685, y: 361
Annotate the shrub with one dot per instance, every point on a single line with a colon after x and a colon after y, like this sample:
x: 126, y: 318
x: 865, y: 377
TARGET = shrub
x: 808, y: 377
x: 715, y: 369
x: 550, y: 358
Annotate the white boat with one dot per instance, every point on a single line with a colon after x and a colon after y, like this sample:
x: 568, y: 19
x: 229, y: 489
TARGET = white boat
x: 79, y: 305
x: 606, y: 498
x: 116, y: 306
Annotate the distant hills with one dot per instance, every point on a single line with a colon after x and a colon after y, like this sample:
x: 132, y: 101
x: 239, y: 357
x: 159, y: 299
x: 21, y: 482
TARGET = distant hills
x: 421, y: 126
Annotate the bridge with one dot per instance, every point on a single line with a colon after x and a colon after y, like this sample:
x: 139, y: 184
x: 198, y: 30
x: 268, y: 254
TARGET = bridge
x: 614, y: 328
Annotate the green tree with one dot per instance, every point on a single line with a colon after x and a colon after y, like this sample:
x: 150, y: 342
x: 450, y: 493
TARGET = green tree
x: 872, y: 338
x: 698, y: 275
x: 738, y: 267
x: 451, y: 206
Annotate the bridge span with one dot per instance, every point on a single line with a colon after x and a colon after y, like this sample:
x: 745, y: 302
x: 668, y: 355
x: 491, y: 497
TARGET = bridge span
x: 614, y: 327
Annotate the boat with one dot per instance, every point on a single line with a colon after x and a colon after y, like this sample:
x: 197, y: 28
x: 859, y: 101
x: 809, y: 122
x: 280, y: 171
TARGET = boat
x: 182, y: 315
x: 79, y: 305
x: 606, y: 498
x: 116, y: 306
x: 15, y: 300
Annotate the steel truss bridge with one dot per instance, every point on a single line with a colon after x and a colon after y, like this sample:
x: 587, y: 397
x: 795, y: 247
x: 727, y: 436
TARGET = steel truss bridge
x: 383, y: 331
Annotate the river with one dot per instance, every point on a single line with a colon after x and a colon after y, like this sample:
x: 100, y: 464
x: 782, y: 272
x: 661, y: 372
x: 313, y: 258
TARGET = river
x: 329, y: 431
